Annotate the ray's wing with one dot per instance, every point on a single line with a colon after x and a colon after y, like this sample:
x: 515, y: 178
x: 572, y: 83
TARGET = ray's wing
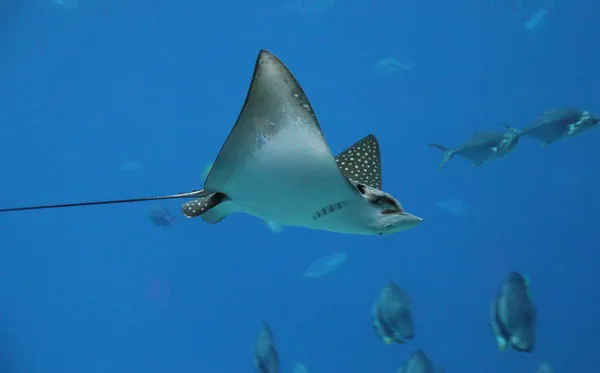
x: 274, y: 101
x: 361, y: 162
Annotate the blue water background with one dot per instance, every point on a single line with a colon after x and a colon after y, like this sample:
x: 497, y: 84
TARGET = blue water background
x: 160, y: 83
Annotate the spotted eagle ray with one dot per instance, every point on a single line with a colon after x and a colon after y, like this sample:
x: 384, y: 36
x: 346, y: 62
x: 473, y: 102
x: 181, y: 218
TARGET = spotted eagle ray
x: 276, y: 165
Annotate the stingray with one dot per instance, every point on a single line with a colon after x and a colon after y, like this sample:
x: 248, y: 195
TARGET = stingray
x: 276, y: 165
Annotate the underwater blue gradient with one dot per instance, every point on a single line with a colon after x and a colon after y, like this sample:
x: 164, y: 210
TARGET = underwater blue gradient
x: 160, y: 83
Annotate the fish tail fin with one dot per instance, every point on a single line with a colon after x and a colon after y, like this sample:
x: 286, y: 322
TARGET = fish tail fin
x: 438, y: 146
x: 448, y: 154
x: 501, y: 343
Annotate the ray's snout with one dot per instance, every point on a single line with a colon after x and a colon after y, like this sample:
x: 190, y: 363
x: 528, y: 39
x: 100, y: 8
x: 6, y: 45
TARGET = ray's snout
x: 410, y: 220
x: 398, y: 222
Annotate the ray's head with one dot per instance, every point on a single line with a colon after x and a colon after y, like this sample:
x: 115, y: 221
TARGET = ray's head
x: 361, y: 165
x: 386, y: 215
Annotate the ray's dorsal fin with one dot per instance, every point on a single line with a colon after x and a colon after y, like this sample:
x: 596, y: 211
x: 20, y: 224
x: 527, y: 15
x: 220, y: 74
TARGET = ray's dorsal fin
x: 361, y: 162
x: 274, y: 96
x: 192, y: 194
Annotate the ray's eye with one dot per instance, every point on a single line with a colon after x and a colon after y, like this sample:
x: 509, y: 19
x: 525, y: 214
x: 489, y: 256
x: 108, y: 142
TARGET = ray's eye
x: 384, y: 202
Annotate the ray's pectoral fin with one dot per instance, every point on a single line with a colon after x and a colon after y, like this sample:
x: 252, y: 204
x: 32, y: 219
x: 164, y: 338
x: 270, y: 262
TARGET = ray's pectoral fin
x: 212, y: 208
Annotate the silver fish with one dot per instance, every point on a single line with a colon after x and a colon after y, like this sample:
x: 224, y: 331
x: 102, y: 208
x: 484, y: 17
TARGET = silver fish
x: 419, y: 362
x: 391, y: 315
x: 266, y: 357
x: 482, y: 147
x: 160, y: 216
x: 561, y: 123
x: 545, y: 367
x: 513, y: 315
x: 325, y: 265
x: 299, y: 368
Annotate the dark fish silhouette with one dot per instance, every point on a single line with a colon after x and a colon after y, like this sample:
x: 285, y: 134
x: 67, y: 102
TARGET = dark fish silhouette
x: 391, y: 315
x: 266, y: 358
x: 160, y: 216
x: 513, y: 315
x: 482, y: 147
x: 557, y: 124
x: 276, y: 165
x: 418, y: 362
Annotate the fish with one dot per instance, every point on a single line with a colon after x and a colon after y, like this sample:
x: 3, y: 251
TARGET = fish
x: 419, y: 362
x: 455, y: 207
x: 299, y: 368
x: 266, y: 357
x: 513, y: 315
x: 545, y: 367
x: 160, y: 216
x: 391, y: 315
x: 560, y: 123
x: 325, y: 265
x: 277, y: 165
x: 482, y: 147
x: 535, y: 20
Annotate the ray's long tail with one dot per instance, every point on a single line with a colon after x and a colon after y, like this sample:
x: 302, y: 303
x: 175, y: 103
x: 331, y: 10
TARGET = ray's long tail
x: 448, y: 154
